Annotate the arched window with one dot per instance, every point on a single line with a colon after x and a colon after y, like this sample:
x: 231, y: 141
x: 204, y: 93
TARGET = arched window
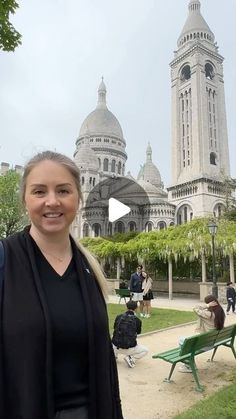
x: 148, y: 226
x: 209, y: 71
x: 113, y: 166
x: 105, y: 165
x: 109, y: 229
x: 119, y: 168
x: 218, y: 210
x: 85, y: 230
x: 96, y: 230
x: 185, y: 73
x: 132, y: 226
x: 213, y: 159
x: 119, y: 227
x: 161, y: 225
x: 82, y: 180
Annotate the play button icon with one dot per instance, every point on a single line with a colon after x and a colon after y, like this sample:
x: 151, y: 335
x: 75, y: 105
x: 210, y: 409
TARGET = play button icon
x: 116, y: 209
x: 114, y: 205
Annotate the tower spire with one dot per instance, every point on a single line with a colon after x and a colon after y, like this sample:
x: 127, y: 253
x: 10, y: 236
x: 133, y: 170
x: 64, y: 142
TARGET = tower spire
x: 194, y: 6
x: 149, y: 153
x: 102, y: 91
x: 195, y: 27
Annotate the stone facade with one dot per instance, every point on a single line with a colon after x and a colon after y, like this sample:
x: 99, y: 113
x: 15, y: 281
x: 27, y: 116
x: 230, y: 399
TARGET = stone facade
x: 200, y: 155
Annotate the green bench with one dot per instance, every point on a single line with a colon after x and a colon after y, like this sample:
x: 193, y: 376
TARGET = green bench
x: 195, y: 345
x: 122, y: 293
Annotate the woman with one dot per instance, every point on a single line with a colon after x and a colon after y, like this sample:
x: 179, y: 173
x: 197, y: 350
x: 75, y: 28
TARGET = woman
x: 57, y: 360
x: 147, y: 294
x: 210, y: 315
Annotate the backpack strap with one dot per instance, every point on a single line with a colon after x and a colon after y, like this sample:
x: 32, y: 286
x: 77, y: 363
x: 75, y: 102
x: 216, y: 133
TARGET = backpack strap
x: 1, y: 264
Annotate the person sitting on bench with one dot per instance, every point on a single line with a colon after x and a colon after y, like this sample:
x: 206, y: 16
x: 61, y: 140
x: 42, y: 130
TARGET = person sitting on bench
x: 210, y: 316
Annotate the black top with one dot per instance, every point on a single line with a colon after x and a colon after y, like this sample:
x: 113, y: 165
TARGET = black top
x: 69, y: 333
x: 26, y: 364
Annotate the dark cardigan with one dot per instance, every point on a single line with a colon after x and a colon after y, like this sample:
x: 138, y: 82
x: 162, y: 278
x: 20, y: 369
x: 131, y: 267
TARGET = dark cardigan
x: 25, y: 353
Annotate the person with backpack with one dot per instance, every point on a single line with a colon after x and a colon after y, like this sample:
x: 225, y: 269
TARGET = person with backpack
x: 126, y: 328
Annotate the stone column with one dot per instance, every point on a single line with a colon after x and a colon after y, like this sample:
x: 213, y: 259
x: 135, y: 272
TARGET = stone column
x: 231, y: 268
x: 118, y: 268
x: 204, y: 277
x: 170, y: 278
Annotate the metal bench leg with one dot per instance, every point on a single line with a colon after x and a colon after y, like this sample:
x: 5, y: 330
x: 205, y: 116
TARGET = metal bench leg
x: 168, y: 380
x: 214, y: 352
x: 194, y: 371
x: 233, y: 350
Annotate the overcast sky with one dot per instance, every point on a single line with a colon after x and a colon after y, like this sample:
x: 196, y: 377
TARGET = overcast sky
x: 49, y: 85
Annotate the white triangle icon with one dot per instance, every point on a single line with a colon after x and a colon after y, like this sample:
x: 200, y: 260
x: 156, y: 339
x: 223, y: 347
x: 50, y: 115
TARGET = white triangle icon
x: 116, y: 209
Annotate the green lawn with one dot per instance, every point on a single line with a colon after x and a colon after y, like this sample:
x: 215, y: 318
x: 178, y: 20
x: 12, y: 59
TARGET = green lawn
x: 221, y: 405
x: 160, y: 318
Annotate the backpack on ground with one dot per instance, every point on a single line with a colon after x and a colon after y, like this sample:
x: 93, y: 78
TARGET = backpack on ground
x: 125, y: 332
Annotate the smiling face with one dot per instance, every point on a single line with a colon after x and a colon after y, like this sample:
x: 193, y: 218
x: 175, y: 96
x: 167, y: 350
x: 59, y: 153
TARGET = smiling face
x: 51, y: 198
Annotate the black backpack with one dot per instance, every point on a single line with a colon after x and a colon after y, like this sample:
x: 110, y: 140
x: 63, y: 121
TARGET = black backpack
x: 125, y: 332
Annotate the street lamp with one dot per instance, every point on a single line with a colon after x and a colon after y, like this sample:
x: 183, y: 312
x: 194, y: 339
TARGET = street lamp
x: 212, y: 227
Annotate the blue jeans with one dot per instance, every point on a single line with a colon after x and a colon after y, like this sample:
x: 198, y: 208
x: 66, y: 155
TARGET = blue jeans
x: 77, y: 413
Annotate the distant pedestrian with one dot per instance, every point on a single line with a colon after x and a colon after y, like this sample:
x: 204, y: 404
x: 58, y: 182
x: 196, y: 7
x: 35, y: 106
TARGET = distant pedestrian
x: 136, y: 287
x: 147, y: 294
x: 126, y: 328
x: 230, y: 296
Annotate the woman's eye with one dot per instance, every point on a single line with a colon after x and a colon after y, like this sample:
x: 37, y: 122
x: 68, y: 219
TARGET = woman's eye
x: 38, y: 192
x: 63, y: 191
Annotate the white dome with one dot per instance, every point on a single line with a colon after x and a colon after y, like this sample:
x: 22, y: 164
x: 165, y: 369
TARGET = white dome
x: 101, y: 122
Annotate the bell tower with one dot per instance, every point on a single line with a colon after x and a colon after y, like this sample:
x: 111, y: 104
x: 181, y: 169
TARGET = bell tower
x: 200, y: 155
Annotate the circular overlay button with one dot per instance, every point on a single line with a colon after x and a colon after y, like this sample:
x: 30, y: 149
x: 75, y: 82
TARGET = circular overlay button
x: 117, y: 204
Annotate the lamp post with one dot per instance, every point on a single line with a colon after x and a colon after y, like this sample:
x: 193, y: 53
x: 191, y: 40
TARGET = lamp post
x: 212, y: 227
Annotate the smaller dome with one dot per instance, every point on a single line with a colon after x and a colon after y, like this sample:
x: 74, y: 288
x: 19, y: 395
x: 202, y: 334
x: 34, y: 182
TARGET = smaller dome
x: 149, y: 172
x: 85, y: 158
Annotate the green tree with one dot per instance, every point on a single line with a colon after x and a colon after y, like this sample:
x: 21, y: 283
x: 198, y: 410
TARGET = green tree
x: 12, y: 217
x: 10, y: 38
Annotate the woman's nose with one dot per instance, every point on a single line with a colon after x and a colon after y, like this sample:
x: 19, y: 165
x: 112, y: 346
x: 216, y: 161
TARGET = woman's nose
x: 52, y: 199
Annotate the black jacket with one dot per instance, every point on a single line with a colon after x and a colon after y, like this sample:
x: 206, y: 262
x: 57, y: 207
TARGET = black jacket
x: 136, y: 281
x: 25, y: 353
x: 230, y: 293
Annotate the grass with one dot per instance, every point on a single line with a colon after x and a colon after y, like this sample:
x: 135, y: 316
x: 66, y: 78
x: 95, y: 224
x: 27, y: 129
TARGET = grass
x: 160, y: 318
x: 221, y: 405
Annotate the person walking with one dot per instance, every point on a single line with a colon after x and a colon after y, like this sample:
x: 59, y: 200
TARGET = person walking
x: 126, y: 328
x: 230, y: 296
x: 56, y: 356
x: 136, y: 288
x: 147, y: 294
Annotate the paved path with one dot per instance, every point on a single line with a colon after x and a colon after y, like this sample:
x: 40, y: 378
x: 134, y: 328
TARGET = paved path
x: 143, y: 392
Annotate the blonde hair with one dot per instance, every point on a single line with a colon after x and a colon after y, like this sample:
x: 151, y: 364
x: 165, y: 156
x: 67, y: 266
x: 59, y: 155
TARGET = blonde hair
x: 59, y: 158
x: 96, y: 268
x: 70, y: 165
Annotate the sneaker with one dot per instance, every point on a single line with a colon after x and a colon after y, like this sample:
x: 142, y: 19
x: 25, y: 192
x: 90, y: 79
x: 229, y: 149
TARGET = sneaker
x: 148, y: 315
x: 184, y: 368
x: 130, y: 361
x: 142, y: 315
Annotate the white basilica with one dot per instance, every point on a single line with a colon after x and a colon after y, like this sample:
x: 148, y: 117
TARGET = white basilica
x: 200, y: 156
